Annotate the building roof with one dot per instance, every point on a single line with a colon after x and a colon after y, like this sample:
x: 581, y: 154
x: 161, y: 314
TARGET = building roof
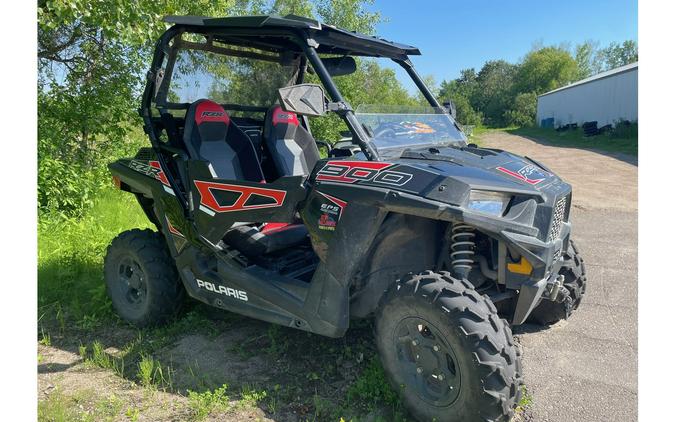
x: 615, y: 71
x: 331, y: 39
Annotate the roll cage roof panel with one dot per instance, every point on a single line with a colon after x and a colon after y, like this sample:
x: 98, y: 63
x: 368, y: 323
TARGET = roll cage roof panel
x: 330, y: 39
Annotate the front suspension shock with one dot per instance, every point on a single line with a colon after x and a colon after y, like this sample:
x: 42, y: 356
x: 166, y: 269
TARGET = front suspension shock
x: 462, y: 249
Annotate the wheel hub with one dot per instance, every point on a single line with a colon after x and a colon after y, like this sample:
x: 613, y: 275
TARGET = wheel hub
x: 428, y: 362
x: 132, y: 281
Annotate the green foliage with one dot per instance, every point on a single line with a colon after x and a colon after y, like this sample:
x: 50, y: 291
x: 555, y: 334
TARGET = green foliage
x: 372, y: 389
x: 370, y: 84
x: 588, y: 59
x: 545, y: 69
x: 616, y: 54
x: 524, y: 110
x: 202, y: 404
x: 502, y: 94
x: 495, y: 80
x: 92, y: 56
x: 70, y: 255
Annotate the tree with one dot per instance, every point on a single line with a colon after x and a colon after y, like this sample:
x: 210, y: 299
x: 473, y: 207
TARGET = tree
x: 459, y: 92
x: 523, y: 111
x: 493, y: 93
x: 588, y: 59
x: 616, y: 54
x: 92, y: 57
x: 546, y: 69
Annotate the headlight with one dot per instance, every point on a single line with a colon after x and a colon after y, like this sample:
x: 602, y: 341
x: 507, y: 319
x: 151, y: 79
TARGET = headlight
x: 493, y: 203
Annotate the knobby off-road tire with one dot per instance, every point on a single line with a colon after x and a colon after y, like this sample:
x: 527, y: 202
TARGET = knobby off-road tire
x: 571, y: 292
x: 434, y: 332
x: 141, y: 278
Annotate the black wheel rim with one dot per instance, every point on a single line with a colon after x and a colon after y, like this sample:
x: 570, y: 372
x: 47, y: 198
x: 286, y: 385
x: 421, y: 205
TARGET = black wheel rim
x: 132, y: 283
x: 427, y: 361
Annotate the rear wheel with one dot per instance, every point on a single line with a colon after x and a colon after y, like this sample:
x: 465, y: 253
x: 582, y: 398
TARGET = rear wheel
x: 571, y: 293
x: 447, y: 352
x: 141, y: 278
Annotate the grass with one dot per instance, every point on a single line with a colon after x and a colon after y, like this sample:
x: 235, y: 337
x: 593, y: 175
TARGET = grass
x: 203, y: 404
x: 70, y: 259
x: 85, y: 406
x: 625, y: 141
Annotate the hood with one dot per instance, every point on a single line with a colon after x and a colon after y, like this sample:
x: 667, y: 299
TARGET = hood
x: 486, y: 168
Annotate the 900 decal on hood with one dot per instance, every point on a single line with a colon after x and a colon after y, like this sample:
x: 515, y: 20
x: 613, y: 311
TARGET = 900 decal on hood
x: 344, y: 171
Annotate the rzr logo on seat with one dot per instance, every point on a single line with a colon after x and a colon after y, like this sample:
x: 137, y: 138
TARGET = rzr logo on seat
x: 208, y: 113
x: 353, y: 171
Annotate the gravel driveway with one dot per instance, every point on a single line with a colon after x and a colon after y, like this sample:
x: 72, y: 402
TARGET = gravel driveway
x: 585, y: 369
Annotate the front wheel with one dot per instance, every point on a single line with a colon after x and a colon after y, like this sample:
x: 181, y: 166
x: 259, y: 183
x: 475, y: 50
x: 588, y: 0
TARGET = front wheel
x: 571, y: 292
x: 447, y: 352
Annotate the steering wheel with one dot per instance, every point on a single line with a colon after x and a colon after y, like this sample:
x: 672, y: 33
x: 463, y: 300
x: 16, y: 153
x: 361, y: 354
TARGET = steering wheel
x: 385, y: 130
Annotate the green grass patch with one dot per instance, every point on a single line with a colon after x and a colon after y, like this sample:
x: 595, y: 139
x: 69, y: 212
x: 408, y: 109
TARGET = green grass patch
x: 623, y: 140
x: 70, y: 257
x: 202, y: 404
x: 372, y: 389
x: 84, y: 406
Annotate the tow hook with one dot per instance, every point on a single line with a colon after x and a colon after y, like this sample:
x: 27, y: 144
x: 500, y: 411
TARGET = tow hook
x: 555, y: 287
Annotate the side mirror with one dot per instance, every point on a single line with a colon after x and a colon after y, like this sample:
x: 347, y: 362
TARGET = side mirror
x: 339, y: 66
x: 451, y: 108
x: 305, y: 99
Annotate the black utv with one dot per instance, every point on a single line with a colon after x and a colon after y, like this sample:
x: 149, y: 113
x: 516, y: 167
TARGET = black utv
x: 444, y: 243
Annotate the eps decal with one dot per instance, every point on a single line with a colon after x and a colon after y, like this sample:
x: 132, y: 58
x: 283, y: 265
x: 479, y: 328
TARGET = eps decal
x: 343, y: 171
x: 529, y: 173
x: 244, y: 197
x: 330, y: 212
x: 223, y: 290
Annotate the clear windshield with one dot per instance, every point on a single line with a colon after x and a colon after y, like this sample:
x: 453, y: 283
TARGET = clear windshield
x: 395, y: 128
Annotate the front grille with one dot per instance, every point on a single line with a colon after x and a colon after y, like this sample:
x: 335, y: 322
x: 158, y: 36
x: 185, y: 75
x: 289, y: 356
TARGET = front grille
x: 558, y: 218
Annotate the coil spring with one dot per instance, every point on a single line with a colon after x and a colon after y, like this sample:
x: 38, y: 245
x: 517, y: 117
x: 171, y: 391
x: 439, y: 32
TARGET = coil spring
x: 462, y: 249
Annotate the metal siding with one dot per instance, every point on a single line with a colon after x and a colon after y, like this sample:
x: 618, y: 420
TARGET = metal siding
x: 606, y: 100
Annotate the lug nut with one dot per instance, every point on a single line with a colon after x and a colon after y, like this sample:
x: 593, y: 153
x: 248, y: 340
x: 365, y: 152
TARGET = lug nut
x: 441, y: 377
x: 419, y: 370
x: 436, y: 348
x: 415, y: 342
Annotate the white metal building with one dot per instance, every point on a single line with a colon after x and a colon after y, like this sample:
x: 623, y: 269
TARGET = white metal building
x: 606, y: 97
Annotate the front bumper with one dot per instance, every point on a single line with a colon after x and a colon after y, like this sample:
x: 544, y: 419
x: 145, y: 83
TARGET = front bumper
x: 544, y: 281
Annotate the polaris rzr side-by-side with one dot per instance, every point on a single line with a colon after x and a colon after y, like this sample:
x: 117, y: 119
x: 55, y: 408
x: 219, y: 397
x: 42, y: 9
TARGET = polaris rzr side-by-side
x: 445, y: 244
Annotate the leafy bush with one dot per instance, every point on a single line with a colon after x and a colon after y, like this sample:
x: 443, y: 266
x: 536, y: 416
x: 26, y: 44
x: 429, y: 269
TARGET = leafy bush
x: 624, y: 129
x: 523, y: 111
x: 466, y: 115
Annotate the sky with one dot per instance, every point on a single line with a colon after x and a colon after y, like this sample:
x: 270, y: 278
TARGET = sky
x: 454, y: 35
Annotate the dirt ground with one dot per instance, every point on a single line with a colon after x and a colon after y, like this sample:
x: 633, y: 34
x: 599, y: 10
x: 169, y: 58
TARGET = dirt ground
x: 583, y: 369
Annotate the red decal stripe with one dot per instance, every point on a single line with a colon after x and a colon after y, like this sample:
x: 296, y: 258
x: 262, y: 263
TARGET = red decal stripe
x: 245, y: 192
x: 160, y: 174
x: 519, y: 176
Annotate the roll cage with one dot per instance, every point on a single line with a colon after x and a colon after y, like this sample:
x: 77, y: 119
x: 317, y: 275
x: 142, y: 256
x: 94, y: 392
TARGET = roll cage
x: 277, y: 39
